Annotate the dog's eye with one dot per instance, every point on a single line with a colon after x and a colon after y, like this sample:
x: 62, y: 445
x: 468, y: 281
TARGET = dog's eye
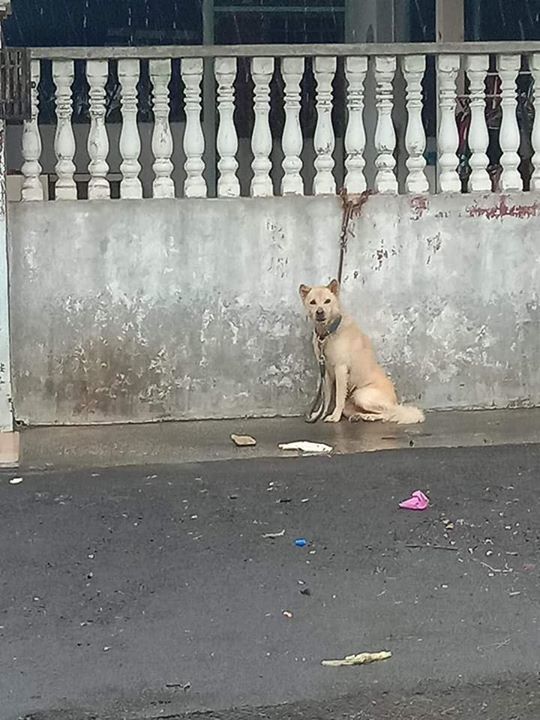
x: 327, y: 301
x: 312, y: 302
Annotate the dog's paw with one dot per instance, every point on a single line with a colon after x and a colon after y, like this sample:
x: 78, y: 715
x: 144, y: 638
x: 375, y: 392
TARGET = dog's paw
x: 333, y: 418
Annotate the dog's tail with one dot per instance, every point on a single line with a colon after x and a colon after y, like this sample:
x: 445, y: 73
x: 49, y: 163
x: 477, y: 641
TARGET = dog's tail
x: 404, y: 415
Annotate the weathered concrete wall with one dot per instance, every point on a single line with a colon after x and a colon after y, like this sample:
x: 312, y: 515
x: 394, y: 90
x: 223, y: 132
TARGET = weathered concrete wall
x: 155, y: 309
x: 448, y: 288
x: 147, y: 310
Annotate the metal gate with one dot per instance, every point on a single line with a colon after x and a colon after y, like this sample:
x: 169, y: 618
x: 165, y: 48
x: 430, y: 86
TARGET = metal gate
x: 15, y: 84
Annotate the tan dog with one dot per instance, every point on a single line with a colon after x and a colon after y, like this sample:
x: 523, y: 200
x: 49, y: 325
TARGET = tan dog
x: 362, y: 389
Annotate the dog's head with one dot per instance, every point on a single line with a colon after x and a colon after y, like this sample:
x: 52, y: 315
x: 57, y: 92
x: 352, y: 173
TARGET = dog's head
x: 321, y: 302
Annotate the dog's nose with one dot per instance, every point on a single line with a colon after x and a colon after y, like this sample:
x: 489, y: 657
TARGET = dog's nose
x: 319, y: 314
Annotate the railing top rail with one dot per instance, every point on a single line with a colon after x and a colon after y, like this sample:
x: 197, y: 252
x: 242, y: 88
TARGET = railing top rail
x: 347, y: 49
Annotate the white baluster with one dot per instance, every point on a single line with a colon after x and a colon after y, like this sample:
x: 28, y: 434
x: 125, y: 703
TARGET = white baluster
x: 355, y: 134
x: 385, y: 135
x: 130, y: 141
x: 292, y: 69
x: 162, y: 140
x: 227, y: 139
x: 508, y: 67
x: 262, y: 70
x: 97, y: 72
x: 324, y: 69
x: 534, y: 64
x: 192, y: 74
x: 477, y: 67
x: 448, y: 139
x: 414, y: 67
x: 64, y: 140
x: 32, y: 188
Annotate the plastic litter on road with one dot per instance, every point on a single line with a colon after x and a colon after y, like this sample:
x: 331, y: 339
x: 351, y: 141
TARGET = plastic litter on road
x: 243, y: 440
x: 417, y: 501
x: 272, y: 535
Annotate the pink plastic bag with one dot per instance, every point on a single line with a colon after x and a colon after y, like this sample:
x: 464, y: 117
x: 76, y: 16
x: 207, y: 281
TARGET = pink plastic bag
x: 417, y: 501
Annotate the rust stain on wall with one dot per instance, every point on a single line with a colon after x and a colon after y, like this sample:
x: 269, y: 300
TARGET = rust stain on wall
x: 503, y: 209
x: 419, y: 206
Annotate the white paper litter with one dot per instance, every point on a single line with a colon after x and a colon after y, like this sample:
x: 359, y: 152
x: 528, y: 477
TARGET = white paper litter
x: 306, y: 446
x: 360, y: 659
x: 273, y: 535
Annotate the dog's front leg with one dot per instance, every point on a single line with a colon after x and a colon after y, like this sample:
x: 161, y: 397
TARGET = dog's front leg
x: 341, y: 394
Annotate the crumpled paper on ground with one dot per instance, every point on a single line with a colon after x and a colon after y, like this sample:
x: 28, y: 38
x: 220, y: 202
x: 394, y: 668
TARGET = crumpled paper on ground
x: 361, y: 659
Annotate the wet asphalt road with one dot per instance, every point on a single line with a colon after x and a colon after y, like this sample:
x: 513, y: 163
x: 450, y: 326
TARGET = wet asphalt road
x: 137, y: 593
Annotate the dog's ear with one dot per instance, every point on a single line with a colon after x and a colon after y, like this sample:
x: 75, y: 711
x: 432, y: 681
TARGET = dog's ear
x: 304, y: 290
x: 334, y: 287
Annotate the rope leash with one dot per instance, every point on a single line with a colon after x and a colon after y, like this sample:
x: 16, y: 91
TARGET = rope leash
x: 351, y: 208
x: 317, y: 409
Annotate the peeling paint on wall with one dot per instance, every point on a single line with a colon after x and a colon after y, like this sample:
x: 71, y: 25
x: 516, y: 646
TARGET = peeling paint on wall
x: 381, y: 254
x: 434, y: 244
x: 419, y: 206
x: 504, y: 209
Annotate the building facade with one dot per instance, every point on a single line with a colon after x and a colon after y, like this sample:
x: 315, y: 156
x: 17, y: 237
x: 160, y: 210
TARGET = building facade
x: 167, y: 200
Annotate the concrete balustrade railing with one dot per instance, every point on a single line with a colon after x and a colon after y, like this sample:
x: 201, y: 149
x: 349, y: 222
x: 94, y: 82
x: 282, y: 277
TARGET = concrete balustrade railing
x: 383, y: 101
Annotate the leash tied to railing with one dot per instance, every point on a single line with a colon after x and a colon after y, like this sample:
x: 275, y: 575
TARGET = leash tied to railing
x: 351, y: 209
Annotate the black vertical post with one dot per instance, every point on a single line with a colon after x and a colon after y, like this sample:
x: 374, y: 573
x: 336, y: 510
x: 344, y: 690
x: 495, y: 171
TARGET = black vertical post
x: 475, y: 32
x: 209, y: 98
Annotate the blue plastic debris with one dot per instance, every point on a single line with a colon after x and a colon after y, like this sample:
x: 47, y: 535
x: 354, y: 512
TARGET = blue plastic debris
x: 300, y: 542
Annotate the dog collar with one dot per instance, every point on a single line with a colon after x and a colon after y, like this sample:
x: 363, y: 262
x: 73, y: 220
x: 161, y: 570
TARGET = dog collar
x: 329, y: 329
